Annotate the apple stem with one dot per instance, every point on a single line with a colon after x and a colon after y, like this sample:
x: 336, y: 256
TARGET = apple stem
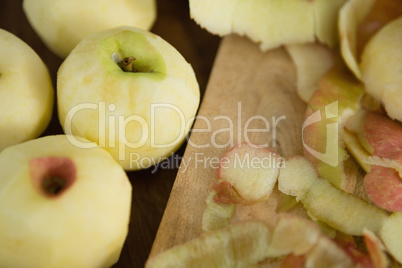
x: 53, y: 185
x: 127, y: 64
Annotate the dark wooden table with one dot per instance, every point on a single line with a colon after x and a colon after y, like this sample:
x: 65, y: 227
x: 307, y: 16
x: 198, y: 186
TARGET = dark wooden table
x: 151, y: 188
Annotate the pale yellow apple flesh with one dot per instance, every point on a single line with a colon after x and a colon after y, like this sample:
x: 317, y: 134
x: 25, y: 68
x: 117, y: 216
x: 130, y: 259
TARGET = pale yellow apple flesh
x: 251, y: 244
x: 380, y: 67
x: 351, y: 16
x: 216, y: 214
x: 26, y: 92
x: 312, y: 61
x: 355, y: 125
x: 238, y: 245
x: 140, y: 116
x: 326, y: 15
x: 293, y: 235
x: 61, y: 206
x: 327, y: 203
x: 326, y: 253
x: 356, y: 150
x: 270, y: 23
x: 62, y: 24
x: 382, y: 12
x: 358, y: 22
x: 297, y: 186
x: 247, y: 174
x: 391, y: 235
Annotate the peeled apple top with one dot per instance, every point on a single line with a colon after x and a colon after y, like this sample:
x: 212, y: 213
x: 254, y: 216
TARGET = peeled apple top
x: 83, y: 226
x: 270, y: 22
x: 62, y: 24
x: 139, y: 116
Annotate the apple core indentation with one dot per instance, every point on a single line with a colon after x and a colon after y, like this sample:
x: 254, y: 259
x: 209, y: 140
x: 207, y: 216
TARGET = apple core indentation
x: 52, y: 176
x: 143, y: 58
x: 53, y: 185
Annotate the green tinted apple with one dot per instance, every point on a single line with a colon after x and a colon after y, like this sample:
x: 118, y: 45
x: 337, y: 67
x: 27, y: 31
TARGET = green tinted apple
x: 129, y: 91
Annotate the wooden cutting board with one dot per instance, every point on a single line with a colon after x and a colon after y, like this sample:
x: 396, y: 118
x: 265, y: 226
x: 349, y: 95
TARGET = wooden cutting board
x: 251, y: 96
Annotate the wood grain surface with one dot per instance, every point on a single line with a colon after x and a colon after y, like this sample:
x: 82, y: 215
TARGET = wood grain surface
x: 251, y: 96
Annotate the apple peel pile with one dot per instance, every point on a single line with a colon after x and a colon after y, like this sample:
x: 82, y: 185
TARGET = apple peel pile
x: 358, y: 21
x: 291, y: 239
x: 348, y: 214
x: 370, y: 34
x: 377, y: 138
x: 243, y: 179
x: 311, y: 61
x: 328, y: 110
x: 380, y: 67
x: 270, y: 23
x: 351, y: 16
x: 216, y: 215
x: 324, y: 202
x: 247, y: 174
x: 253, y: 244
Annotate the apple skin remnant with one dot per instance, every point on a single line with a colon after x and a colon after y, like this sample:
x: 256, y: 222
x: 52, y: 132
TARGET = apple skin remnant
x: 340, y: 210
x: 247, y: 174
x: 383, y: 182
x: 270, y: 23
x: 61, y: 205
x: 340, y: 90
x: 51, y: 176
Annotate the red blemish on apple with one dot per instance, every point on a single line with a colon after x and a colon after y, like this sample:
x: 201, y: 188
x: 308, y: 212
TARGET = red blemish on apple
x: 52, y: 176
x: 384, y: 187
